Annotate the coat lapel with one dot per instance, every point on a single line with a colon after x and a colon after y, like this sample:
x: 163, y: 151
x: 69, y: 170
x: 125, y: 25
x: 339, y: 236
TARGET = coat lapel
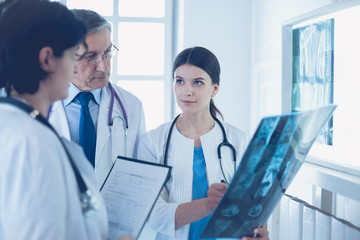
x: 103, y: 130
x: 59, y: 121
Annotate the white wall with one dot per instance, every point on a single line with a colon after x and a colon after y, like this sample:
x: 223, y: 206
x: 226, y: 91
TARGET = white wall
x: 224, y: 27
x: 267, y: 21
x: 245, y: 35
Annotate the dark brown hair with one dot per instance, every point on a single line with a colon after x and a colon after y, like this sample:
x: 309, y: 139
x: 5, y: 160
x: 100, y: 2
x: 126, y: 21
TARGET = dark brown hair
x: 26, y: 26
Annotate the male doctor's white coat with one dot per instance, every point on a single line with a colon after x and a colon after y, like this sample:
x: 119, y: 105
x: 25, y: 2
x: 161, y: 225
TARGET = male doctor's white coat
x: 110, y: 141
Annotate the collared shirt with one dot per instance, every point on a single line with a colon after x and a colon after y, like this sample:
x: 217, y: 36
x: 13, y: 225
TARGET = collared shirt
x: 72, y: 109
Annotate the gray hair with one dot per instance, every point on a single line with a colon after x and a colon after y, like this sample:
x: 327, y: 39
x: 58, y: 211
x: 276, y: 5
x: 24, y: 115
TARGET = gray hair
x: 92, y: 20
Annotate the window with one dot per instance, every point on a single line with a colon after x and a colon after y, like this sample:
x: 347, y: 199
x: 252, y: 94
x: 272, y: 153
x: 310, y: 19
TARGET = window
x: 335, y: 42
x: 144, y: 37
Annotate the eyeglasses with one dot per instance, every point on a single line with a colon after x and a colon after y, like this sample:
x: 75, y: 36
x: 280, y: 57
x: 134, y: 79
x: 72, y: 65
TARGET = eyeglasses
x: 97, y: 58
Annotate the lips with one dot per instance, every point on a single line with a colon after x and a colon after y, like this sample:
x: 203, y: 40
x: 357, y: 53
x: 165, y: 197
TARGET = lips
x: 100, y: 77
x: 187, y: 101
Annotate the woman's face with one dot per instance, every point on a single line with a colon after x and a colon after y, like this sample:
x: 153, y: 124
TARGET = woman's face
x: 59, y: 79
x: 193, y: 89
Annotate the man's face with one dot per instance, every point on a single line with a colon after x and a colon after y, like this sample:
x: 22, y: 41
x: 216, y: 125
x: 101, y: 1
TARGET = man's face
x: 93, y: 76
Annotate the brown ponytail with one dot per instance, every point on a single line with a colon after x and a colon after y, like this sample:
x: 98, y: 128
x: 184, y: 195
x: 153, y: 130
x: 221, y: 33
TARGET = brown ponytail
x: 214, y: 110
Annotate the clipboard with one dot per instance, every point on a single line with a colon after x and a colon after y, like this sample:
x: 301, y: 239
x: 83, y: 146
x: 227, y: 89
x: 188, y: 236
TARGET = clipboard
x: 130, y: 191
x: 274, y: 155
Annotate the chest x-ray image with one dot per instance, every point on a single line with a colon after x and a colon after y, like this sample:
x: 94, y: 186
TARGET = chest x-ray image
x: 270, y: 162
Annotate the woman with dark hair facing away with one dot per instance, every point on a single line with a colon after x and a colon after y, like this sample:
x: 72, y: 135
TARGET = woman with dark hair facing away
x: 42, y: 193
x: 189, y: 144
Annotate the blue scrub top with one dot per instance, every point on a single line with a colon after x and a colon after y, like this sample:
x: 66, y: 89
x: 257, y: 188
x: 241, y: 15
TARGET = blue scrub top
x: 199, y: 190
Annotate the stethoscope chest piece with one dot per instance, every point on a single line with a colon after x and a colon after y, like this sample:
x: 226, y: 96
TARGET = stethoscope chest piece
x: 89, y: 204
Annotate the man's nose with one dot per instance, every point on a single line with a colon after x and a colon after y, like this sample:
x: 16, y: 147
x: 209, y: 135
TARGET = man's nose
x: 103, y: 65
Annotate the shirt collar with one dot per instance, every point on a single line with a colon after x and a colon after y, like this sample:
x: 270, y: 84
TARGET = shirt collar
x: 73, y: 92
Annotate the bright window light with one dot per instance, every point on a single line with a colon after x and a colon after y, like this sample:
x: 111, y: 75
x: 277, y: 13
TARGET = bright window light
x: 151, y: 95
x: 103, y: 7
x: 141, y: 48
x: 142, y: 8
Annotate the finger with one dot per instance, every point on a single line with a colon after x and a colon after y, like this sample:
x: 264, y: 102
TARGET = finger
x: 219, y: 186
x: 262, y: 232
x: 255, y: 238
x: 215, y: 196
x: 216, y: 191
x: 126, y: 238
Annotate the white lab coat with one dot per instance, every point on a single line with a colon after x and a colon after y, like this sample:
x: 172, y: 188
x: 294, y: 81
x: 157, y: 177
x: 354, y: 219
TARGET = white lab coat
x: 180, y: 157
x: 111, y: 141
x: 39, y: 197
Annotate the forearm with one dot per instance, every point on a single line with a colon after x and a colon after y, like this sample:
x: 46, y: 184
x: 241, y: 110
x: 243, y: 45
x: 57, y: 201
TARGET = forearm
x: 195, y: 210
x: 191, y: 212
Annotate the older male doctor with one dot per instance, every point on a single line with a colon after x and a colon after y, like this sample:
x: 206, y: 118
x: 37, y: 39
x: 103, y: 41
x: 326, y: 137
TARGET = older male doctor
x: 104, y: 119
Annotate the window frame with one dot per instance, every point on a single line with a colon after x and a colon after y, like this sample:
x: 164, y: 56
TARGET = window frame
x: 168, y: 21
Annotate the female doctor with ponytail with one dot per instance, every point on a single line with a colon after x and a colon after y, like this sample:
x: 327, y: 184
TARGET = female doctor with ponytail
x: 190, y: 145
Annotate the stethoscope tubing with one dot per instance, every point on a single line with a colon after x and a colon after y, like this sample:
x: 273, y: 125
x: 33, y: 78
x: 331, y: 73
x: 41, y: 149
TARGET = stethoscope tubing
x: 85, y: 193
x: 113, y: 96
x: 225, y: 142
x: 112, y: 100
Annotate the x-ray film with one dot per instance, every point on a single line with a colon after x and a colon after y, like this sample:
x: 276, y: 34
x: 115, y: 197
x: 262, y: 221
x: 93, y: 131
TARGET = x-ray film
x: 269, y: 164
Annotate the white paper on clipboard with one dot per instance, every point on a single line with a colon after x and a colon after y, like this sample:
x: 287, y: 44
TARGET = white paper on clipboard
x: 129, y: 192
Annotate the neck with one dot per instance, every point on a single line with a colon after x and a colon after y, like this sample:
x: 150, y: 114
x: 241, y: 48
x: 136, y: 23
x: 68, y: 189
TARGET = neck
x: 195, y: 124
x: 38, y: 101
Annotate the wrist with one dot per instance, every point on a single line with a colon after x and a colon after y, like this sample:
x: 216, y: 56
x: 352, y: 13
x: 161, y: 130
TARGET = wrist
x: 206, y: 207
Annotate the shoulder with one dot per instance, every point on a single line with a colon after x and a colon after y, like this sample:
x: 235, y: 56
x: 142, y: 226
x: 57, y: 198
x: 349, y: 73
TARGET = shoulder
x: 152, y: 143
x: 155, y: 138
x: 18, y: 124
x: 158, y: 133
x: 27, y: 140
x: 234, y: 132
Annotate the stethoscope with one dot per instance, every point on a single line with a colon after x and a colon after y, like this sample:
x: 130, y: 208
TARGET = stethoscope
x: 113, y: 96
x: 224, y: 143
x: 112, y: 99
x: 110, y: 121
x: 89, y: 204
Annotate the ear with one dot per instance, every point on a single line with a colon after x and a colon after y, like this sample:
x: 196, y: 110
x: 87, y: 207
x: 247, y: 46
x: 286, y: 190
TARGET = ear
x: 47, y: 59
x: 215, y: 90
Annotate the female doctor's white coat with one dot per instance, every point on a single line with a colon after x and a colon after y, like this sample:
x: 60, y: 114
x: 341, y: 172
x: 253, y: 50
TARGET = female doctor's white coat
x: 111, y: 141
x: 39, y: 196
x: 180, y: 156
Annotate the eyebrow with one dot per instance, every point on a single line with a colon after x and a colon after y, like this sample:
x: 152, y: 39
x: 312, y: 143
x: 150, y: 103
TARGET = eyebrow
x: 95, y: 52
x: 199, y: 78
